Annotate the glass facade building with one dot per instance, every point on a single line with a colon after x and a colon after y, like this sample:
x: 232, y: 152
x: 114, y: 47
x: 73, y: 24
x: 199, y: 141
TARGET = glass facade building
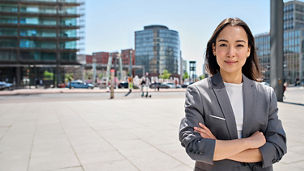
x: 157, y: 49
x: 293, y: 44
x: 38, y: 35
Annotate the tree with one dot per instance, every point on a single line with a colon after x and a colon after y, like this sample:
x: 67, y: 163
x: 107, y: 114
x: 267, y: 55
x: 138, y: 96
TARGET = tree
x: 48, y: 75
x: 100, y: 75
x: 165, y: 75
x: 68, y: 76
x: 186, y: 75
x: 201, y: 77
x: 88, y: 75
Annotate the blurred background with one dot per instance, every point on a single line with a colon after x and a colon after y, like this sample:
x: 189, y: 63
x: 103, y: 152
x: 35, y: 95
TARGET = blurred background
x: 47, y: 43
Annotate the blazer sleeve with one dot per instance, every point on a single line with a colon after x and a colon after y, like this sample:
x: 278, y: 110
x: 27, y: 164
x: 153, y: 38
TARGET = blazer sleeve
x: 198, y: 148
x: 275, y: 146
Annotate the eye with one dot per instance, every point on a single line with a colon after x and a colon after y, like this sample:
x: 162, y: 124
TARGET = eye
x: 222, y: 45
x: 240, y: 45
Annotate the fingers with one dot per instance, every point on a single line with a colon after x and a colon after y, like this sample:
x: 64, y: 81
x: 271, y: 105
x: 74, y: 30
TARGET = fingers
x: 205, y: 128
x: 200, y: 130
x: 204, y: 131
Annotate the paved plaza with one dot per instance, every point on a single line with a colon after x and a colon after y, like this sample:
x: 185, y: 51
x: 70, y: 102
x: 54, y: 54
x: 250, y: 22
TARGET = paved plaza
x: 89, y: 132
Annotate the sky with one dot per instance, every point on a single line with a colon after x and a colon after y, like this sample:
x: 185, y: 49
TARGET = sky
x: 110, y: 24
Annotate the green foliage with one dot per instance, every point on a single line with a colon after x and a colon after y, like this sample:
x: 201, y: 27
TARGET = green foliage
x: 201, y: 77
x: 100, y: 75
x: 165, y: 75
x: 48, y: 75
x: 68, y: 76
x: 186, y: 75
x: 88, y: 75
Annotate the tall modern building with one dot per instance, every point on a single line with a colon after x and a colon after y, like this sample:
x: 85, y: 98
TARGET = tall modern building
x: 38, y: 36
x: 157, y: 49
x: 293, y: 44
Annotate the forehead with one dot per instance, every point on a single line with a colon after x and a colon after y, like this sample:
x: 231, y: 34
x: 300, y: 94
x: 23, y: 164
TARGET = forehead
x: 232, y: 33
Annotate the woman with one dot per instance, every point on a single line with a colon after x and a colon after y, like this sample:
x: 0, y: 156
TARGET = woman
x: 231, y: 120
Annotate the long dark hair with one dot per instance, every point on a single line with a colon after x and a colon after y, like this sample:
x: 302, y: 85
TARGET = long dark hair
x: 251, y: 67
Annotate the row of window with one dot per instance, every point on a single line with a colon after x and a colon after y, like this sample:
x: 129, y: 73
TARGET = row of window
x: 288, y: 25
x: 288, y: 16
x: 299, y: 17
x: 292, y: 42
x: 290, y: 49
x: 38, y: 21
x: 139, y: 45
x: 299, y: 8
x: 158, y: 39
x: 36, y: 44
x: 37, y: 32
x: 37, y: 56
x: 287, y: 35
x: 288, y: 7
x: 37, y: 9
x: 152, y: 53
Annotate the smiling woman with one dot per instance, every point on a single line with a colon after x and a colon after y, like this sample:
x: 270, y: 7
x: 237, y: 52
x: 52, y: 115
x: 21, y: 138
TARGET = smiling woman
x: 231, y: 121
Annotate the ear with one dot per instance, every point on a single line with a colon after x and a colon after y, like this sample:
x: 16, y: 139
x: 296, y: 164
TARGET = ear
x: 213, y: 49
x: 248, y: 51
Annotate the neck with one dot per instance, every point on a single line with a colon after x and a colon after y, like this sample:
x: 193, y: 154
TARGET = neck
x: 235, y: 78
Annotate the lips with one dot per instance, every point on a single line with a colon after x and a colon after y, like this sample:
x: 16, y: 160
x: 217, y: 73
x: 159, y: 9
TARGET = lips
x: 231, y: 62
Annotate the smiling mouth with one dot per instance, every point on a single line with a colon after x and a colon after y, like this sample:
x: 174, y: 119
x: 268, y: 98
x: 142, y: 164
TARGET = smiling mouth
x: 231, y: 62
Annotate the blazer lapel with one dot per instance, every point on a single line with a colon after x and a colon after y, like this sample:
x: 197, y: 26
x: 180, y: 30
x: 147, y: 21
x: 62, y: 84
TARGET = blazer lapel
x: 224, y: 102
x: 248, y: 104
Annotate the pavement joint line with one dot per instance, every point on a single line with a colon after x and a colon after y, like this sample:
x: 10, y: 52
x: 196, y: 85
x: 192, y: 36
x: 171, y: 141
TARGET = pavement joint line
x: 166, y: 153
x: 69, y: 140
x: 77, y: 166
x: 95, y: 131
x: 32, y: 144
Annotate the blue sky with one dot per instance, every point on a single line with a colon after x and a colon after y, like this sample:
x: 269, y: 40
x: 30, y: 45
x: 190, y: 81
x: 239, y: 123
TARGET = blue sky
x: 110, y: 24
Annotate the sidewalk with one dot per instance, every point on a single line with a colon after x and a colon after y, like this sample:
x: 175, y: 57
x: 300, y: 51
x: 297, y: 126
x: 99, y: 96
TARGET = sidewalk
x: 107, y: 135
x: 74, y: 90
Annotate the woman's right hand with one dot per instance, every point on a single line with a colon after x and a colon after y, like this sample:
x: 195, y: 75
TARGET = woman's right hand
x: 256, y: 140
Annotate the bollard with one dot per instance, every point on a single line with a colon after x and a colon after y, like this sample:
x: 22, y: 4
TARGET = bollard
x: 112, y: 84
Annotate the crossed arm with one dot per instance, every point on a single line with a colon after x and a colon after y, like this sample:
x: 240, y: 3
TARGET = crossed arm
x: 241, y: 150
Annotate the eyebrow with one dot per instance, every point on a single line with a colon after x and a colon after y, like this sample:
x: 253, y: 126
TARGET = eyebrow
x: 223, y: 40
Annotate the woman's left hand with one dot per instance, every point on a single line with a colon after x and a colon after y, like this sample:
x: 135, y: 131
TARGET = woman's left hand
x: 204, y: 131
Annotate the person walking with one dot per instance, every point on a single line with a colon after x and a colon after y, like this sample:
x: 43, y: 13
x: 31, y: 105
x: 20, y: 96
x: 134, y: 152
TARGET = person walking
x: 231, y: 121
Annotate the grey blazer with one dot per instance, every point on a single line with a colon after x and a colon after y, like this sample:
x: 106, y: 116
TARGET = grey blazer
x: 207, y: 102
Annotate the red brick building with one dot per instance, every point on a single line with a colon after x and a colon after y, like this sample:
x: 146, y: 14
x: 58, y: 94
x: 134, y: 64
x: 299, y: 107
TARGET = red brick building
x: 103, y: 57
x: 125, y: 56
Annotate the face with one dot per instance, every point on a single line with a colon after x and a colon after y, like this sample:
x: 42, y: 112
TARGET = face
x: 231, y: 49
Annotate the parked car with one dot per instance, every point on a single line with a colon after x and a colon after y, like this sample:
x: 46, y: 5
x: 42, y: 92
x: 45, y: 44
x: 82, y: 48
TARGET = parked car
x: 123, y: 85
x: 172, y: 85
x: 61, y: 85
x: 5, y: 86
x: 79, y: 84
x: 155, y: 85
x: 186, y: 84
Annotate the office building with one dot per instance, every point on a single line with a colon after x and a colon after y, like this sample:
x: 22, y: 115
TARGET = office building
x: 38, y: 37
x: 293, y: 62
x: 157, y: 49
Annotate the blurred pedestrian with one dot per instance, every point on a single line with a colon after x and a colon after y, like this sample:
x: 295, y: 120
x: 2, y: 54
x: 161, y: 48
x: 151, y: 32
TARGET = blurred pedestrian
x: 142, y: 85
x: 70, y: 82
x: 36, y: 82
x: 284, y: 89
x: 231, y: 120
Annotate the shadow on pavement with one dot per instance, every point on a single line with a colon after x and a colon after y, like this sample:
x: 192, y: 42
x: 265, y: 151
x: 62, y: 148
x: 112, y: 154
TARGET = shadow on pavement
x: 299, y: 104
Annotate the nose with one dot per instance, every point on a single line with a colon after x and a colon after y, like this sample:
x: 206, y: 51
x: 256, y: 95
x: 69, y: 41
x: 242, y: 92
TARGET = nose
x: 231, y: 52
